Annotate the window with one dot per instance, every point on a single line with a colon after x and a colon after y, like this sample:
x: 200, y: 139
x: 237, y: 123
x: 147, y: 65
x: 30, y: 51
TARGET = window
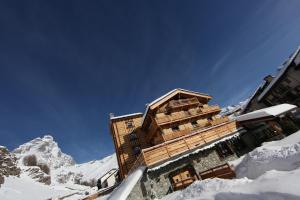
x: 136, y: 150
x: 129, y: 124
x: 194, y: 124
x: 175, y: 128
x: 209, y: 118
x: 133, y: 136
x: 223, y: 150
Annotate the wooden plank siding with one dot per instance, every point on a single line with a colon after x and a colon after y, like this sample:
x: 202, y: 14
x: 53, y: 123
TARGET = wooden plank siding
x: 153, y: 155
x: 173, y: 118
x: 176, y: 134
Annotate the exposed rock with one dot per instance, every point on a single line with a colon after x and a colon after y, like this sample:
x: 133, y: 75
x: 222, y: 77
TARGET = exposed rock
x: 37, y: 174
x: 8, y: 166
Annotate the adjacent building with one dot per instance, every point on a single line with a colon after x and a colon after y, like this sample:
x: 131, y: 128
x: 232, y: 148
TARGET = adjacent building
x: 282, y: 88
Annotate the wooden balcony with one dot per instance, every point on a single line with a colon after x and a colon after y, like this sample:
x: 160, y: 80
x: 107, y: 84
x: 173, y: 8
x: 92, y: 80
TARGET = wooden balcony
x: 177, y: 134
x: 185, y: 115
x: 182, y: 103
x: 159, y: 153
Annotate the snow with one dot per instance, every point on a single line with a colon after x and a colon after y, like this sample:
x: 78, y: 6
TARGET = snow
x: 268, y: 172
x: 64, y: 173
x: 128, y: 115
x: 230, y: 110
x: 86, y: 171
x: 280, y: 73
x: 124, y: 189
x: 272, y: 111
x: 25, y: 188
x: 46, y: 151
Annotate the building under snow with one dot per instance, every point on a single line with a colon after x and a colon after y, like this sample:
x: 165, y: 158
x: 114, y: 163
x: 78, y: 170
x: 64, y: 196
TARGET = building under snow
x: 179, y: 139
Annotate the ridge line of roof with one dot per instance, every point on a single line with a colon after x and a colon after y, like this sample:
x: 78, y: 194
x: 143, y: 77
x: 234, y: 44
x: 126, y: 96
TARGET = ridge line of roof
x: 280, y: 73
x: 163, y: 96
x: 127, y: 115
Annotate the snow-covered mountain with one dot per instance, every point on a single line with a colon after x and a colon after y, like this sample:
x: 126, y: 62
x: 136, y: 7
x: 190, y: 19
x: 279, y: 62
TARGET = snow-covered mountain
x: 233, y: 110
x: 46, y: 150
x: 86, y: 173
x: 65, y: 176
x: 63, y: 168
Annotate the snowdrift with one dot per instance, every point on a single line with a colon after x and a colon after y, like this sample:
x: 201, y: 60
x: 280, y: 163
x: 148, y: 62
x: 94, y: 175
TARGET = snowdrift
x: 268, y: 172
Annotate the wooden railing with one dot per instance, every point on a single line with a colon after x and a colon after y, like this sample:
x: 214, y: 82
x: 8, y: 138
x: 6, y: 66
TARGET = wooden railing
x: 183, y: 115
x: 184, y: 183
x: 176, y: 134
x: 182, y: 102
x: 223, y: 171
x: 153, y: 155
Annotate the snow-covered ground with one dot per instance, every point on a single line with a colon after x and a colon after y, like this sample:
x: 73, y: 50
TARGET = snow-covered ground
x: 269, y: 172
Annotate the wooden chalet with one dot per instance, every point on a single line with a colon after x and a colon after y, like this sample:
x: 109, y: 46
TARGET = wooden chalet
x: 172, y: 125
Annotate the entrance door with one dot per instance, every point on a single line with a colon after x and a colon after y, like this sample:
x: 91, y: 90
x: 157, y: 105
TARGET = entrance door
x: 183, y: 178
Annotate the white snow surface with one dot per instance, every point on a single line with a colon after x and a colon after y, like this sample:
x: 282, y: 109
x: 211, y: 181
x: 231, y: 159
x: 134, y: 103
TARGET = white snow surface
x: 268, y: 172
x: 272, y: 111
x: 87, y: 171
x: 46, y: 150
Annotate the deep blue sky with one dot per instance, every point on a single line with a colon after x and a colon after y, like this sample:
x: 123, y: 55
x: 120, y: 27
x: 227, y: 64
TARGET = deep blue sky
x: 65, y: 65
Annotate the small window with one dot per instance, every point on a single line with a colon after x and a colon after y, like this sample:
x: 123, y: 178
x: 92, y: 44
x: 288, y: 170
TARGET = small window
x: 223, y: 150
x: 175, y: 128
x: 133, y: 136
x: 209, y: 119
x: 129, y: 124
x: 194, y: 124
x: 136, y: 150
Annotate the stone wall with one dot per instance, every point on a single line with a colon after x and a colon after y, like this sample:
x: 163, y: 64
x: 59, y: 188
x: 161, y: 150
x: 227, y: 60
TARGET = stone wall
x: 156, y: 183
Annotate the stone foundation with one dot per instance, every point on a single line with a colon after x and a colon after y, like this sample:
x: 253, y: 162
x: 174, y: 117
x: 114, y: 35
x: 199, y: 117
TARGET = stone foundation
x: 156, y: 183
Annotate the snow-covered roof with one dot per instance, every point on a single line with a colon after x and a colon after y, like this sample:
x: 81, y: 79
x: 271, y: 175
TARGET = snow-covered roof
x: 252, y: 96
x: 165, y: 95
x: 128, y: 115
x: 280, y: 73
x: 272, y: 111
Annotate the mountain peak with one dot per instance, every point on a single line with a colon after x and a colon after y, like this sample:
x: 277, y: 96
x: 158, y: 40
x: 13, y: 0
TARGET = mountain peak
x: 46, y: 150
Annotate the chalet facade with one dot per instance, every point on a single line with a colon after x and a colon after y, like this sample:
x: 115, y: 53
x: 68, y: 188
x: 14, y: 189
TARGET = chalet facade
x: 181, y: 129
x: 181, y: 138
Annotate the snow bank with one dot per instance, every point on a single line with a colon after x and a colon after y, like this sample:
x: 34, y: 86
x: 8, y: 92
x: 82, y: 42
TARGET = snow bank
x: 269, y: 172
x: 272, y: 185
x: 281, y: 155
x: 27, y: 189
x: 85, y: 172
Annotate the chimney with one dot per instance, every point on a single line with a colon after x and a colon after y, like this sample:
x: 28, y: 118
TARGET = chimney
x: 268, y: 78
x: 111, y: 115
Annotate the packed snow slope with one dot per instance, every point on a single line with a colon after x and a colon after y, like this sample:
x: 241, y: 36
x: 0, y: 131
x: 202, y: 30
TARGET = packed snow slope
x: 85, y: 172
x: 269, y: 172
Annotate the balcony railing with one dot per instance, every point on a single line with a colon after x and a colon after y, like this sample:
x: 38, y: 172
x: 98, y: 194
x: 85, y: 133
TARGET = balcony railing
x: 187, y: 114
x: 182, y: 102
x: 176, y: 134
x: 156, y: 154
